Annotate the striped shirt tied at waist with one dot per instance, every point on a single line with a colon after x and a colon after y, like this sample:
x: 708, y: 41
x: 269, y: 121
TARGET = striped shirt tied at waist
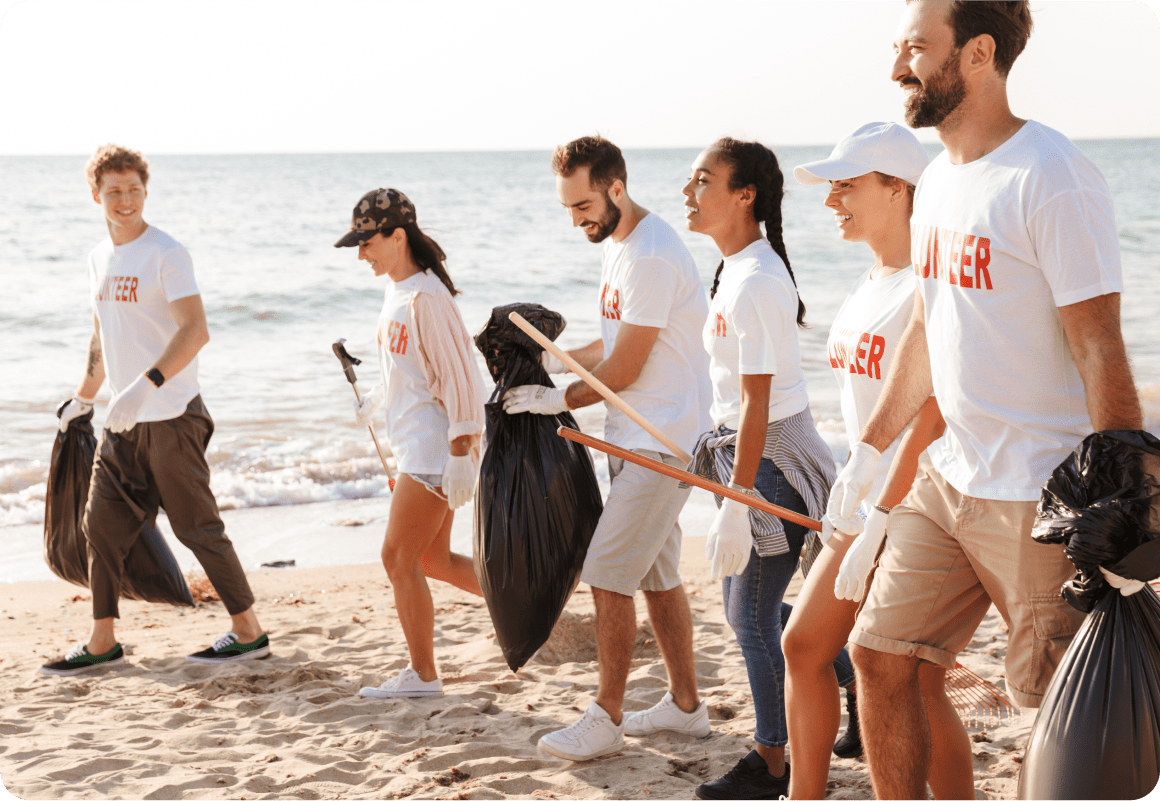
x: 796, y: 448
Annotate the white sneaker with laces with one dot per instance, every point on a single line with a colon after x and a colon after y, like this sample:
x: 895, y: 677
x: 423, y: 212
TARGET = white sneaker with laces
x: 594, y: 735
x: 667, y: 716
x: 406, y: 685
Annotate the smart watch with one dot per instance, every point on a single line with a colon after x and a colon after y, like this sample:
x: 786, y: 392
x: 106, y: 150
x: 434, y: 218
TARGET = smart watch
x: 154, y: 375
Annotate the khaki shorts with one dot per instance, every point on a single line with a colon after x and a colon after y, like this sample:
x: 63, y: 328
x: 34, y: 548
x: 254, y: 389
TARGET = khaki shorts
x: 947, y: 558
x: 637, y: 543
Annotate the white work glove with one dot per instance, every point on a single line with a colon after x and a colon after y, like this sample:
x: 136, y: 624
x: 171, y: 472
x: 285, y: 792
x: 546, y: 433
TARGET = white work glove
x: 851, y: 487
x: 850, y: 585
x: 71, y: 409
x: 365, y: 409
x: 730, y: 540
x: 126, y: 406
x: 1126, y: 586
x: 459, y: 480
x: 534, y: 399
x: 552, y: 364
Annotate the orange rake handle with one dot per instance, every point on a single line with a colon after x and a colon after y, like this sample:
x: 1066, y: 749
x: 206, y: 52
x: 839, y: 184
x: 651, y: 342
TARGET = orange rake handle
x: 688, y: 478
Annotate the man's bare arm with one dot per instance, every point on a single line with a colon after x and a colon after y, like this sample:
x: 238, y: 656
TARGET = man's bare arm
x: 192, y: 334
x: 95, y: 367
x: 908, y: 386
x: 621, y: 368
x: 590, y: 355
x: 1092, y: 328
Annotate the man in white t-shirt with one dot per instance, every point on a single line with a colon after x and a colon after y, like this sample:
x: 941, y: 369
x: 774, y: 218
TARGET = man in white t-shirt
x: 148, y: 326
x: 652, y: 308
x: 1016, y: 329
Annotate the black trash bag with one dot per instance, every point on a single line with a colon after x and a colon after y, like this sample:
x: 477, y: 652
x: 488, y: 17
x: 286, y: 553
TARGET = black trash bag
x: 151, y: 571
x: 538, y: 500
x: 1097, y: 734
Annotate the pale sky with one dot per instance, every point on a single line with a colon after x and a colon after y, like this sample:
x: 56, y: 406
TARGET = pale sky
x: 250, y: 76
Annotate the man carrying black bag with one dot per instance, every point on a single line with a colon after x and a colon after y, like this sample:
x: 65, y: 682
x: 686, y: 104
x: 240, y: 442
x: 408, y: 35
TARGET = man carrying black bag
x: 148, y: 326
x: 652, y: 308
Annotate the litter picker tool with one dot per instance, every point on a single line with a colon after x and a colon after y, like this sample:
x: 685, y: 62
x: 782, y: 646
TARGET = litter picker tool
x: 599, y: 386
x: 688, y: 478
x: 348, y: 363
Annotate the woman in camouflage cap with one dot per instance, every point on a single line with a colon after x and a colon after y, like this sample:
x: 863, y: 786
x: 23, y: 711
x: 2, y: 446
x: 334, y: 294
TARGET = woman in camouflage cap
x: 434, y: 413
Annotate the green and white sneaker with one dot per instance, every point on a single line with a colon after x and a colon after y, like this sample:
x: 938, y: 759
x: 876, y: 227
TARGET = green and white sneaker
x: 79, y: 660
x: 227, y: 649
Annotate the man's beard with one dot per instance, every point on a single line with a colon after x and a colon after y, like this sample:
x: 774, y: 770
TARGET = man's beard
x: 606, y: 224
x: 942, y: 93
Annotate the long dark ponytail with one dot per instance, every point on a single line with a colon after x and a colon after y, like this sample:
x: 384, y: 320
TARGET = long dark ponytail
x: 428, y: 255
x: 754, y: 164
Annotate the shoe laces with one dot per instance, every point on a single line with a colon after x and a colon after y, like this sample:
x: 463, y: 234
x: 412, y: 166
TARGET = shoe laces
x: 586, y: 723
x: 78, y: 650
x: 225, y: 641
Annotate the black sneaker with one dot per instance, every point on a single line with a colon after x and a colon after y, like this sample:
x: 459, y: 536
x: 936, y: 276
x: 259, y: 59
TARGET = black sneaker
x: 749, y: 779
x: 849, y: 745
x: 227, y: 649
x: 79, y: 660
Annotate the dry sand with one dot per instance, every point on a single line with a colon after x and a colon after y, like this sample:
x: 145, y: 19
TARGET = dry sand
x: 293, y: 726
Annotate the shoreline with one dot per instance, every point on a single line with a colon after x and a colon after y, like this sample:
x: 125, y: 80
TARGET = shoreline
x: 293, y: 726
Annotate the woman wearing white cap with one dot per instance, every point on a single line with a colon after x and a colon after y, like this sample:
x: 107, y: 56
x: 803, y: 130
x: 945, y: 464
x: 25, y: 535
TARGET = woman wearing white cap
x: 872, y: 175
x: 434, y: 401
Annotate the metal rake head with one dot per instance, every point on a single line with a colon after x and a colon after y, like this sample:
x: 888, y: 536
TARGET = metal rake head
x: 980, y: 703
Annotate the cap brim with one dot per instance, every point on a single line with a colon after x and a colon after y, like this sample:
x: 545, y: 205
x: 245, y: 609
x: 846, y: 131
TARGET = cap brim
x: 354, y: 238
x: 818, y: 172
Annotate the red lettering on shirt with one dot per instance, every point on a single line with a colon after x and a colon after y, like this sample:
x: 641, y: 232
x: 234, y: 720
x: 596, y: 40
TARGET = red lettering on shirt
x: 118, y: 288
x: 847, y: 350
x: 610, y: 303
x: 982, y: 259
x: 396, y: 338
x: 966, y: 280
x: 956, y: 251
x: 859, y: 355
x: 721, y: 327
x: 959, y: 254
x: 874, y: 359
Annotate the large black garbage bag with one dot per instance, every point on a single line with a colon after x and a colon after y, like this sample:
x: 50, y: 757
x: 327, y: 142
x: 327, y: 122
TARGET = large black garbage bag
x: 151, y: 571
x: 538, y: 500
x: 1097, y: 734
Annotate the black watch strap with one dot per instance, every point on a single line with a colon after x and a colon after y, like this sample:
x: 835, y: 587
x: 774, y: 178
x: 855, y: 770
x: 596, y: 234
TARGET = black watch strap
x: 154, y: 375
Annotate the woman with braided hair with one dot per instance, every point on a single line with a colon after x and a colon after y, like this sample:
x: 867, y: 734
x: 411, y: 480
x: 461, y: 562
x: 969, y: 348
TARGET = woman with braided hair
x: 764, y: 442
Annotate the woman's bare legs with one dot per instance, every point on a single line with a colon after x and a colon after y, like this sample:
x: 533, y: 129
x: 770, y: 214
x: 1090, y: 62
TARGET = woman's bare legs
x: 817, y: 632
x: 418, y: 534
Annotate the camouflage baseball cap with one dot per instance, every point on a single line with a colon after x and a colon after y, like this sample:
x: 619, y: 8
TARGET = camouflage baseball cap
x: 377, y: 210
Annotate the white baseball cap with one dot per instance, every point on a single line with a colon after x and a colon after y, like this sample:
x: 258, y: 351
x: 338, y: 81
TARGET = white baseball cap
x: 884, y: 147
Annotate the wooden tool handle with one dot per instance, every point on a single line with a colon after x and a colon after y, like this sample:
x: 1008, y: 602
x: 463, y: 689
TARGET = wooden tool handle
x: 688, y: 478
x: 597, y: 385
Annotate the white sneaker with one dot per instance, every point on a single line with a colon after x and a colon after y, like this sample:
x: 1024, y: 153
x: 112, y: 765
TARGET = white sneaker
x: 667, y: 716
x: 592, y: 736
x: 406, y: 685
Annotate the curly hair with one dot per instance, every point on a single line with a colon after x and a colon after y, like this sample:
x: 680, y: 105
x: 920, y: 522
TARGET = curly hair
x: 603, y: 159
x: 114, y: 158
x: 754, y: 164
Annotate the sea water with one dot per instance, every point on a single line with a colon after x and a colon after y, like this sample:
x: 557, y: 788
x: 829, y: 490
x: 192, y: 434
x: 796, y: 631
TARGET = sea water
x: 261, y: 228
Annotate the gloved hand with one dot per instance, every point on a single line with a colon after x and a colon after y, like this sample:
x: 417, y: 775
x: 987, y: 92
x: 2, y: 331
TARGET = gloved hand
x: 850, y: 584
x: 459, y: 480
x: 851, y: 487
x: 552, y: 364
x: 71, y: 409
x: 730, y: 540
x: 126, y: 406
x: 534, y: 399
x: 1126, y: 586
x: 364, y: 410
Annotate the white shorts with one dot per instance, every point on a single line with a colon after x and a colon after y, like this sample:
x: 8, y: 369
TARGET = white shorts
x: 637, y: 543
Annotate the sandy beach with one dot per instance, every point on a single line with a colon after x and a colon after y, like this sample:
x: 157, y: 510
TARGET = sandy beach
x: 293, y: 726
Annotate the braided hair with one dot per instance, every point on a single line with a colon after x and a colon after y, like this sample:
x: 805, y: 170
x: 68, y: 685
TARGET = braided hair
x: 753, y: 164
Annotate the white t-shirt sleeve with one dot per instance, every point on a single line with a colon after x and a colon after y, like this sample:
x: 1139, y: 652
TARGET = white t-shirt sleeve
x: 757, y: 320
x: 649, y: 292
x: 176, y: 271
x: 1077, y: 245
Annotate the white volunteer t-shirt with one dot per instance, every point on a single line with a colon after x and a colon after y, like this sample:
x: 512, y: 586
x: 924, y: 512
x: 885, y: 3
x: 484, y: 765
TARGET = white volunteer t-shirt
x: 650, y: 279
x: 998, y: 244
x: 132, y: 286
x: 417, y: 423
x: 861, y: 348
x: 752, y: 330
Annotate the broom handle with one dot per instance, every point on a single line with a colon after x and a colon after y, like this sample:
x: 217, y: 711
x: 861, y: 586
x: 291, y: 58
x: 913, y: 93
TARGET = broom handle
x: 688, y: 478
x: 598, y: 385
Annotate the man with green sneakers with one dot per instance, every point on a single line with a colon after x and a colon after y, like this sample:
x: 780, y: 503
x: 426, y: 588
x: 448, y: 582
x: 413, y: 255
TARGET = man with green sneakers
x: 148, y: 326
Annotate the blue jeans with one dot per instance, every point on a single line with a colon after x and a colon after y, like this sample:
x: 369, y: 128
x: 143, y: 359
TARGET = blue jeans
x: 757, y: 614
